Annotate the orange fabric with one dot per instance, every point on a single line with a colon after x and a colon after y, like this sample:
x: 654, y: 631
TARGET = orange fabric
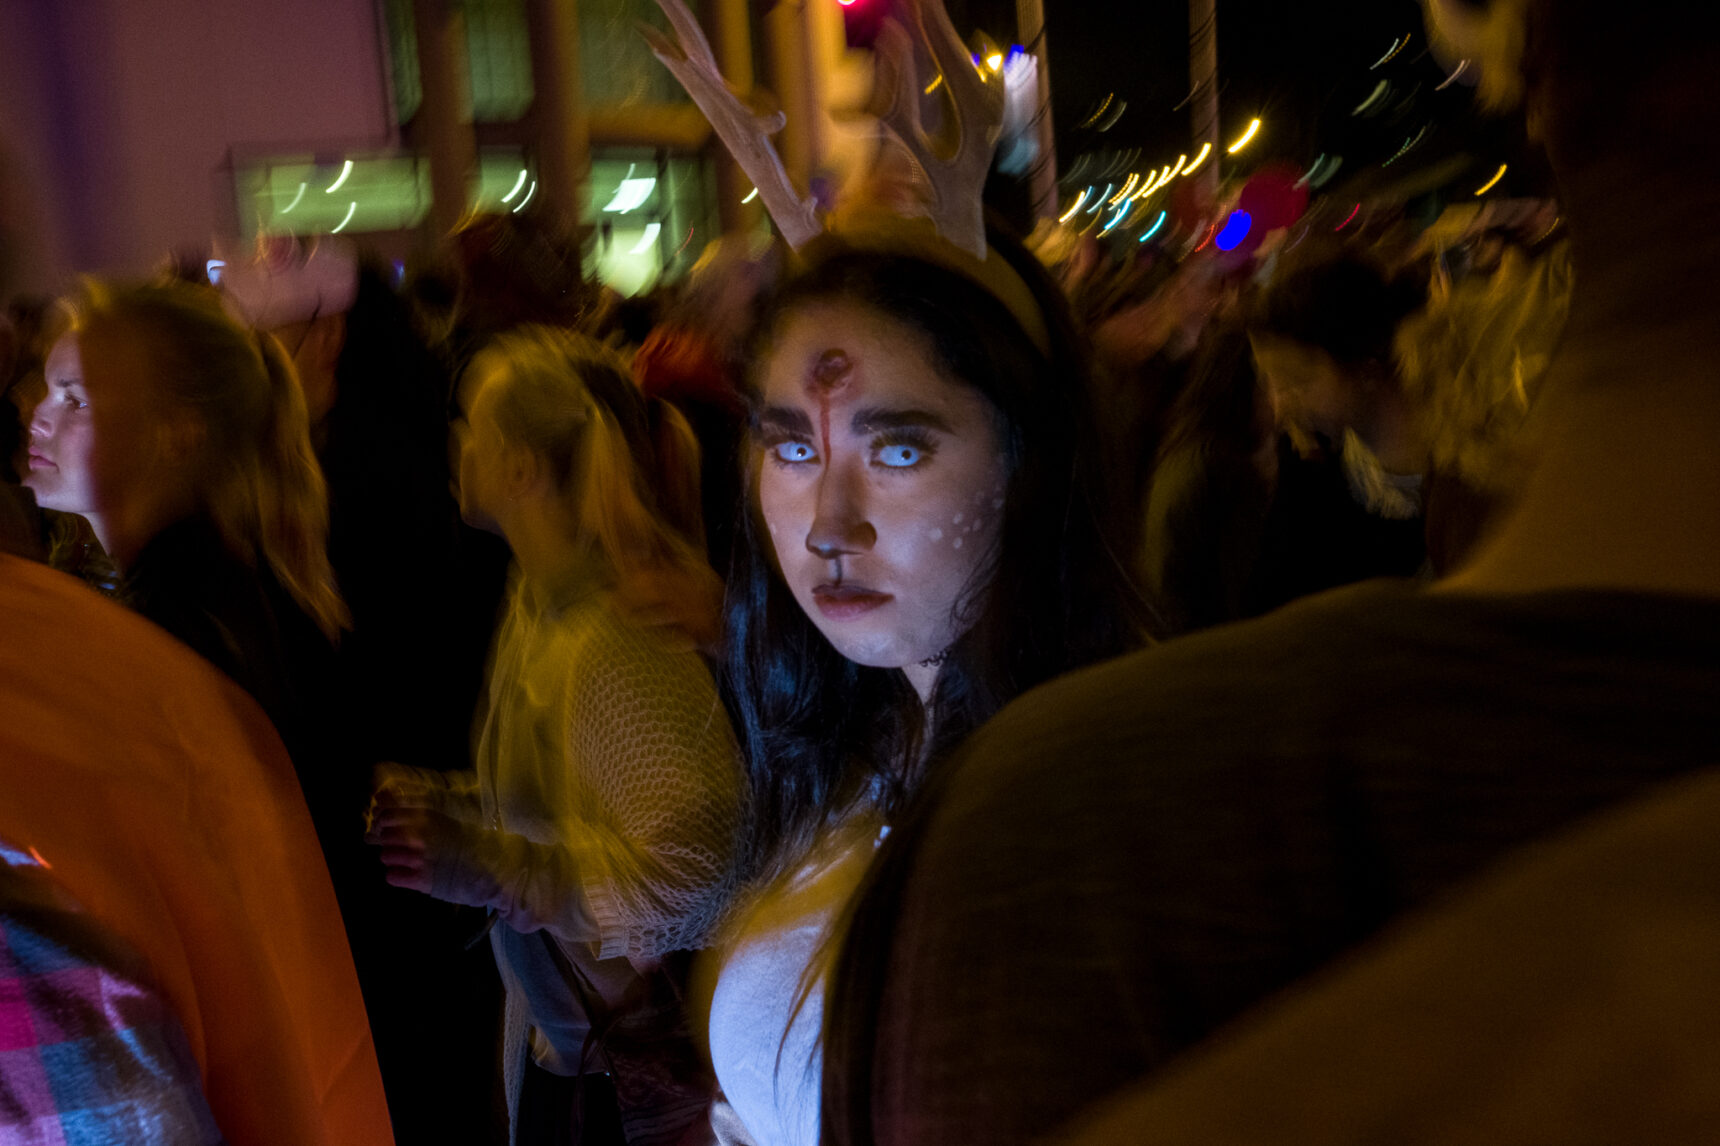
x: 164, y: 803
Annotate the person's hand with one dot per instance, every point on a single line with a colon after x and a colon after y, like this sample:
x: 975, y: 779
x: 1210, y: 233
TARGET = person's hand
x: 399, y: 786
x: 424, y: 850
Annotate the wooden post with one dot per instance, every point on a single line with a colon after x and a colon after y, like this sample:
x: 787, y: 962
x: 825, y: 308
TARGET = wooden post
x: 558, y: 113
x: 1203, y: 92
x: 445, y: 111
x: 731, y: 39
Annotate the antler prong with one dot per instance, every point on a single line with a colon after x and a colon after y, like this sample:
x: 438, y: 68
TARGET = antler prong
x: 957, y: 180
x: 746, y: 133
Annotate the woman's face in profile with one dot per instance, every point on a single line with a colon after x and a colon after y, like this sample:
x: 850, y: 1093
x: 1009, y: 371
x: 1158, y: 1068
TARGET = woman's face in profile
x: 880, y: 480
x: 98, y: 440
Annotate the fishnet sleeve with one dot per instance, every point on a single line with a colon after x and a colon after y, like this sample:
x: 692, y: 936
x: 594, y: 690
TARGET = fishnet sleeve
x: 650, y: 832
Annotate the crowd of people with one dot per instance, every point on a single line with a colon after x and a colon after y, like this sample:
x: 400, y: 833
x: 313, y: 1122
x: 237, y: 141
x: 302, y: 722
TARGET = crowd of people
x: 884, y: 692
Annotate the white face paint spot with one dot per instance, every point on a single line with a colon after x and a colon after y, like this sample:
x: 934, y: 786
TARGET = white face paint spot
x: 936, y: 535
x: 958, y: 518
x: 997, y: 503
x: 958, y: 543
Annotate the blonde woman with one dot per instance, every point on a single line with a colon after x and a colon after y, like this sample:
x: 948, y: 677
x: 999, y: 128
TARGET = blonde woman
x: 600, y: 825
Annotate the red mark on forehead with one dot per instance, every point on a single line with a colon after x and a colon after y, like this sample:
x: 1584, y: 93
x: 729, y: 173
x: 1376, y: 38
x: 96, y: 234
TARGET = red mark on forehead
x: 830, y: 372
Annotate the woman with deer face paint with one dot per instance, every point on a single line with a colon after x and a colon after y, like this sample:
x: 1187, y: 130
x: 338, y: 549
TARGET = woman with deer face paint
x: 920, y: 546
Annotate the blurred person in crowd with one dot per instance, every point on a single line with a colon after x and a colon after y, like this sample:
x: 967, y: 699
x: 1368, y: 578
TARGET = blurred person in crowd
x: 1209, y: 491
x: 924, y: 541
x: 182, y: 439
x: 1457, y: 1025
x: 1332, y: 332
x: 512, y: 272
x: 1170, y: 839
x: 1471, y: 363
x: 1323, y: 331
x: 695, y: 359
x: 64, y: 540
x: 374, y: 397
x: 601, y: 823
x: 171, y: 956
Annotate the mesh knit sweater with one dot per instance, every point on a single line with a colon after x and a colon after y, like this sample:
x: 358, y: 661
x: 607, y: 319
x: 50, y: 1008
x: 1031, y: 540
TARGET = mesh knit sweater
x: 607, y: 757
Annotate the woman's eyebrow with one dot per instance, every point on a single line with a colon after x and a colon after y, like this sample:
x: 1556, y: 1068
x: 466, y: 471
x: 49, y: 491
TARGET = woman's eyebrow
x: 871, y: 419
x: 785, y: 418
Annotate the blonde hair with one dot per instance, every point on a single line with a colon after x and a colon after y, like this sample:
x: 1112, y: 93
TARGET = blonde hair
x: 626, y: 467
x: 257, y: 476
x: 1471, y: 361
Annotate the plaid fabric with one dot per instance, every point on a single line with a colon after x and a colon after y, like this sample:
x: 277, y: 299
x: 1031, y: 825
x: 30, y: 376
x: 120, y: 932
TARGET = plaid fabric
x: 89, y: 1055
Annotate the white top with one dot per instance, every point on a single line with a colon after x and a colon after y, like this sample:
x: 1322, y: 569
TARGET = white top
x: 768, y: 1007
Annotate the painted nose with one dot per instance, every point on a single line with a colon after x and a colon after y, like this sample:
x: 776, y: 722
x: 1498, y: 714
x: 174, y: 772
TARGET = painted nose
x: 839, y: 524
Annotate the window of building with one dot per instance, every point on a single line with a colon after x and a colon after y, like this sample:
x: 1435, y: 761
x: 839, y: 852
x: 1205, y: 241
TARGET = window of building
x: 650, y: 214
x: 499, y: 58
x: 302, y: 195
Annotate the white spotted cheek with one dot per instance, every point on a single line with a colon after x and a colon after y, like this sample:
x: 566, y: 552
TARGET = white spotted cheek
x: 936, y: 534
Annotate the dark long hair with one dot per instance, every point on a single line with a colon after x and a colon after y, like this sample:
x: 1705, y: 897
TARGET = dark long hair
x: 823, y: 734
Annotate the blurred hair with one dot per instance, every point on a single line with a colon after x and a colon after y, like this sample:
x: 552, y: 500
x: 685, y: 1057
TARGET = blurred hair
x: 626, y: 466
x: 255, y: 474
x: 1470, y: 361
x: 1205, y: 499
x: 1338, y: 300
x: 823, y: 733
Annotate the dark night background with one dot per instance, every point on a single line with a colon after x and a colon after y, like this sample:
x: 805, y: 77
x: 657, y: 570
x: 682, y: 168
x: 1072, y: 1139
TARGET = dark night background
x: 1301, y: 67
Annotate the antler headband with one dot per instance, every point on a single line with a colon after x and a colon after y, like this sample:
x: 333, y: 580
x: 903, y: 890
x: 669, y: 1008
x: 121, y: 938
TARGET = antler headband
x: 954, y: 235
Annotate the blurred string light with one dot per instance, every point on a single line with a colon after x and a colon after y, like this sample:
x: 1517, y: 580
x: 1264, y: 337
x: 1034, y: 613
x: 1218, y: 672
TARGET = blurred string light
x: 1408, y: 143
x: 751, y: 195
x: 530, y: 191
x: 1100, y: 201
x: 933, y: 86
x: 1128, y: 186
x: 1094, y: 118
x: 340, y: 181
x: 1380, y: 89
x: 1235, y: 230
x: 1210, y: 232
x: 518, y: 184
x: 1488, y: 186
x: 652, y: 230
x: 1391, y: 53
x: 296, y: 198
x: 1079, y: 199
x: 1308, y: 175
x: 212, y: 270
x: 1347, y: 219
x: 1157, y: 223
x: 350, y: 209
x: 1205, y: 150
x: 1122, y: 212
x: 1247, y: 137
x: 1325, y: 176
x: 1462, y: 66
x: 1111, y: 120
